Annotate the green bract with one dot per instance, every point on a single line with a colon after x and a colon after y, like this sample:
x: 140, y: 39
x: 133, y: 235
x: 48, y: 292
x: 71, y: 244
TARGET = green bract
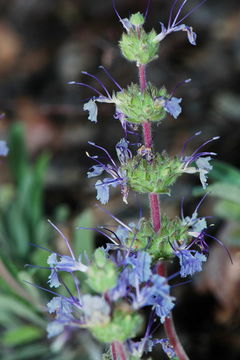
x: 156, y: 176
x: 140, y: 106
x: 139, y: 46
x: 102, y: 273
x: 137, y: 19
x: 123, y: 326
x: 159, y: 245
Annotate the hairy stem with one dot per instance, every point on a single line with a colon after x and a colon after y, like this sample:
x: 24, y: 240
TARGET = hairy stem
x: 169, y: 326
x: 147, y: 134
x: 156, y: 222
x: 117, y: 351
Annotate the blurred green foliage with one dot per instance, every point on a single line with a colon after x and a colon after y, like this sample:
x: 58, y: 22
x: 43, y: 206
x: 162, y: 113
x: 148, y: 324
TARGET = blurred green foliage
x: 226, y: 188
x: 22, y: 223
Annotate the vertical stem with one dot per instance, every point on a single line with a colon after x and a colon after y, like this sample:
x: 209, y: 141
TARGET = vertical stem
x: 147, y: 134
x: 117, y: 351
x: 113, y: 351
x: 156, y: 222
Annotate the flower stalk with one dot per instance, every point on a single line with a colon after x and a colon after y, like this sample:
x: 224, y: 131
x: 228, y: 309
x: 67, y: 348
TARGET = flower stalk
x: 155, y: 209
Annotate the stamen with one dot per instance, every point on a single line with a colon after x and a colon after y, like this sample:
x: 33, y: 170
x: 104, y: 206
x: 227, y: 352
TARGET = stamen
x: 99, y: 81
x: 191, y: 11
x: 115, y: 10
x: 110, y: 77
x: 100, y: 147
x: 147, y: 9
x: 114, y: 217
x: 171, y: 13
x: 64, y: 238
x: 43, y: 248
x: 112, y: 232
x: 86, y: 85
x: 44, y: 289
x: 222, y: 244
x: 181, y: 207
x: 194, y: 158
x: 182, y: 283
x: 188, y: 141
x: 178, y: 13
x: 206, y: 142
x: 38, y: 267
x: 100, y: 232
x: 200, y: 202
x: 180, y: 84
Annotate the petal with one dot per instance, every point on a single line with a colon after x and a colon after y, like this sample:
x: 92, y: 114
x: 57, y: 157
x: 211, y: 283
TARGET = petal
x: 91, y: 107
x: 102, y: 192
x: 54, y: 328
x: 126, y: 24
x: 3, y: 148
x: 53, y: 280
x: 95, y: 170
x: 172, y: 106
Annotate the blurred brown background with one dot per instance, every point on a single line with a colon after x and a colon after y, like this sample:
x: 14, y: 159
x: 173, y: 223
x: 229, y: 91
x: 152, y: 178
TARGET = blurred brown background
x: 44, y: 44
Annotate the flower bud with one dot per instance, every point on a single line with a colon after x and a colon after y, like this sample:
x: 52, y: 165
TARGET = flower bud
x: 139, y: 46
x: 137, y: 19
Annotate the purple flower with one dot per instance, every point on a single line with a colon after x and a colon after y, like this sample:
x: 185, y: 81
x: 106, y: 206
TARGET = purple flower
x: 201, y: 160
x: 63, y: 309
x: 190, y: 261
x: 171, y: 105
x: 155, y: 293
x: 66, y: 263
x: 103, y: 96
x: 175, y: 24
x: 139, y: 267
x: 118, y: 176
x: 167, y: 348
x: 3, y: 148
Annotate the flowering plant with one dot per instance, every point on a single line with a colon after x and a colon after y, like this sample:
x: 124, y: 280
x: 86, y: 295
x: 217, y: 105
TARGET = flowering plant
x: 129, y: 273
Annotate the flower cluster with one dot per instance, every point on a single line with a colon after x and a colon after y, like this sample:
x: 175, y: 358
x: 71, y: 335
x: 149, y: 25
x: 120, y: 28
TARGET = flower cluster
x: 126, y: 276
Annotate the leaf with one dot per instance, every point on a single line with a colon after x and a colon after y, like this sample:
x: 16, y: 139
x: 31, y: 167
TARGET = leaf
x: 228, y: 210
x: 36, y: 193
x: 22, y: 335
x: 223, y: 172
x: 83, y: 240
x: 17, y: 231
x: 11, y: 305
x: 225, y: 191
x: 18, y: 154
x: 36, y: 351
x: 221, y: 190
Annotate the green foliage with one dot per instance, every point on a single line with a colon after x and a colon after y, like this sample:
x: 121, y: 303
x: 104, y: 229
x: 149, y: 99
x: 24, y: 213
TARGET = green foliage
x: 22, y: 205
x: 102, y: 273
x: 21, y: 335
x: 139, y: 107
x: 124, y: 325
x: 156, y: 176
x: 83, y: 240
x: 139, y: 46
x: 22, y: 222
x: 226, y: 188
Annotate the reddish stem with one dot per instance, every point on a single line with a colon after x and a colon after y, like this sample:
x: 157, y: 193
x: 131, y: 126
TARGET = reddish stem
x: 117, y: 351
x: 113, y: 351
x: 156, y: 222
